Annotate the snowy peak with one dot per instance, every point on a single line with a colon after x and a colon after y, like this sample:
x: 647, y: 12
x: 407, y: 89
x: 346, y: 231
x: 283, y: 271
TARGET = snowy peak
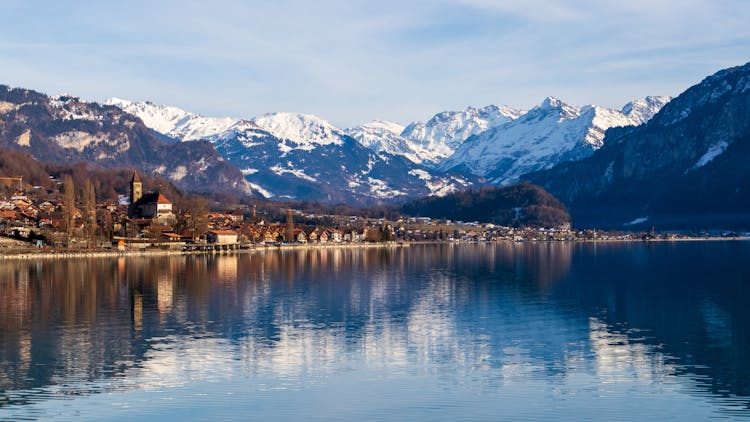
x: 173, y: 121
x: 551, y: 133
x: 446, y: 131
x: 305, y: 130
x: 376, y: 133
x: 381, y: 136
x: 552, y: 106
x: 384, y: 125
x: 643, y: 110
x: 552, y: 102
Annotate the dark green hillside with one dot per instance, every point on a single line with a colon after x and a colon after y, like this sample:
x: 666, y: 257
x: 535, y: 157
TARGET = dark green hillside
x: 523, y: 204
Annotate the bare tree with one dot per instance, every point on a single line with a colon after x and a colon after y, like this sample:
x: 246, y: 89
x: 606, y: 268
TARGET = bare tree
x: 89, y: 208
x: 69, y: 207
x: 289, y: 234
x: 193, y: 218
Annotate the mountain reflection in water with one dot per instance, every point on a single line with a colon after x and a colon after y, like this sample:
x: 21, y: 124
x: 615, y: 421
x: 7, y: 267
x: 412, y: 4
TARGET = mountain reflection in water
x: 572, y: 320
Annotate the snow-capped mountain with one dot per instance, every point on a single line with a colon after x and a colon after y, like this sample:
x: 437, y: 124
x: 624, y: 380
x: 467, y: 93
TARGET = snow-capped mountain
x: 685, y: 167
x: 445, y: 132
x: 172, y: 121
x: 381, y: 136
x: 301, y: 156
x: 643, y: 110
x: 548, y: 134
x: 300, y: 131
x: 304, y: 157
x: 376, y: 134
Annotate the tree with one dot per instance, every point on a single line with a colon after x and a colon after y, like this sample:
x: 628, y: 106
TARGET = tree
x: 89, y: 208
x: 289, y: 235
x: 69, y: 207
x: 193, y: 218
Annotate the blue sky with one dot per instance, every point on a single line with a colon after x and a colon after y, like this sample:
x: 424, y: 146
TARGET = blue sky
x: 350, y: 61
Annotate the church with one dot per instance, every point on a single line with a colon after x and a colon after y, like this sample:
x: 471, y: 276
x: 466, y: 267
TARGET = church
x: 152, y: 205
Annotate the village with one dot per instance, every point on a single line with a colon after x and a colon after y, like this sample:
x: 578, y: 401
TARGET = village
x: 34, y: 218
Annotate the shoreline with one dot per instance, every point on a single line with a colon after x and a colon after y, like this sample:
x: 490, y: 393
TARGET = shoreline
x: 63, y: 254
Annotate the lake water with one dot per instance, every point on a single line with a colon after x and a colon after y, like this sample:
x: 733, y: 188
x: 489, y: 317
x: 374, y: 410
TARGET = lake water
x: 641, y: 331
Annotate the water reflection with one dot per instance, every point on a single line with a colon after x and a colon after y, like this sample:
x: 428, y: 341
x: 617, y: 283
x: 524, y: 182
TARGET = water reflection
x: 489, y: 317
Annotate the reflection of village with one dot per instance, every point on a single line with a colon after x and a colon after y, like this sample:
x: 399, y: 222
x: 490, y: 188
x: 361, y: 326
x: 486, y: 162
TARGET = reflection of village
x: 155, y: 322
x: 33, y: 217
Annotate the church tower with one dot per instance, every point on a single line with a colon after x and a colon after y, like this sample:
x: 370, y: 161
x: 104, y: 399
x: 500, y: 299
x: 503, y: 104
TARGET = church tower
x: 136, y: 188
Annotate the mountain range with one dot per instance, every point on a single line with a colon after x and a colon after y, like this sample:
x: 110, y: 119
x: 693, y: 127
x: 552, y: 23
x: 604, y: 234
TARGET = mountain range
x: 290, y: 155
x: 547, y: 135
x: 302, y: 157
x: 654, y: 160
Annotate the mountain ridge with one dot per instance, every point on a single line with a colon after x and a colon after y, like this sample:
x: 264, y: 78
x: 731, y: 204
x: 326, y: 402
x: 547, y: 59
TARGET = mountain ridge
x: 65, y: 129
x: 550, y: 133
x: 686, y: 166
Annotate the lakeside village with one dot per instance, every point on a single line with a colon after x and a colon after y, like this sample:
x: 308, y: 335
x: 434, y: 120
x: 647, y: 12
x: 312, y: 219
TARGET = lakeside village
x: 58, y: 219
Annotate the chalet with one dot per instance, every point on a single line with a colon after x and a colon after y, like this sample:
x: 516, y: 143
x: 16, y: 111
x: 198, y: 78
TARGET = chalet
x: 237, y: 216
x: 8, y: 215
x: 221, y: 237
x: 335, y: 235
x: 312, y: 237
x: 300, y: 236
x: 171, y: 237
x: 46, y: 206
x: 217, y: 219
x: 324, y: 237
x: 271, y: 235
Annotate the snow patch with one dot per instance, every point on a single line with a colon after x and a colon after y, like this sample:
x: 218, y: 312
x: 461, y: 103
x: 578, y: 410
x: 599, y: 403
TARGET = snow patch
x: 423, y: 175
x: 713, y: 151
x: 24, y: 139
x: 178, y: 174
x: 639, y: 220
x: 259, y: 188
x: 380, y: 189
x: 295, y: 172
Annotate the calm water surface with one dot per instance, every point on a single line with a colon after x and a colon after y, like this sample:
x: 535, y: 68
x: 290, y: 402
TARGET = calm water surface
x: 471, y: 332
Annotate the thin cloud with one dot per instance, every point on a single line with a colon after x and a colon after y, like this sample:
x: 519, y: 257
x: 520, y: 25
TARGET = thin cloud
x: 350, y: 61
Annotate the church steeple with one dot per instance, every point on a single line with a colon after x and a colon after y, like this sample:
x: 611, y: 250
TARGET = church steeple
x: 136, y: 188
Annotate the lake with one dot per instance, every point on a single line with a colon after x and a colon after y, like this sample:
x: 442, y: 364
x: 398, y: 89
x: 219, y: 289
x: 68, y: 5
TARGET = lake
x: 556, y: 331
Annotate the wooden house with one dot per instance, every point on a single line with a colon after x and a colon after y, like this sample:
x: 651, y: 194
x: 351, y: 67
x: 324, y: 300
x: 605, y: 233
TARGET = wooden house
x: 221, y: 237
